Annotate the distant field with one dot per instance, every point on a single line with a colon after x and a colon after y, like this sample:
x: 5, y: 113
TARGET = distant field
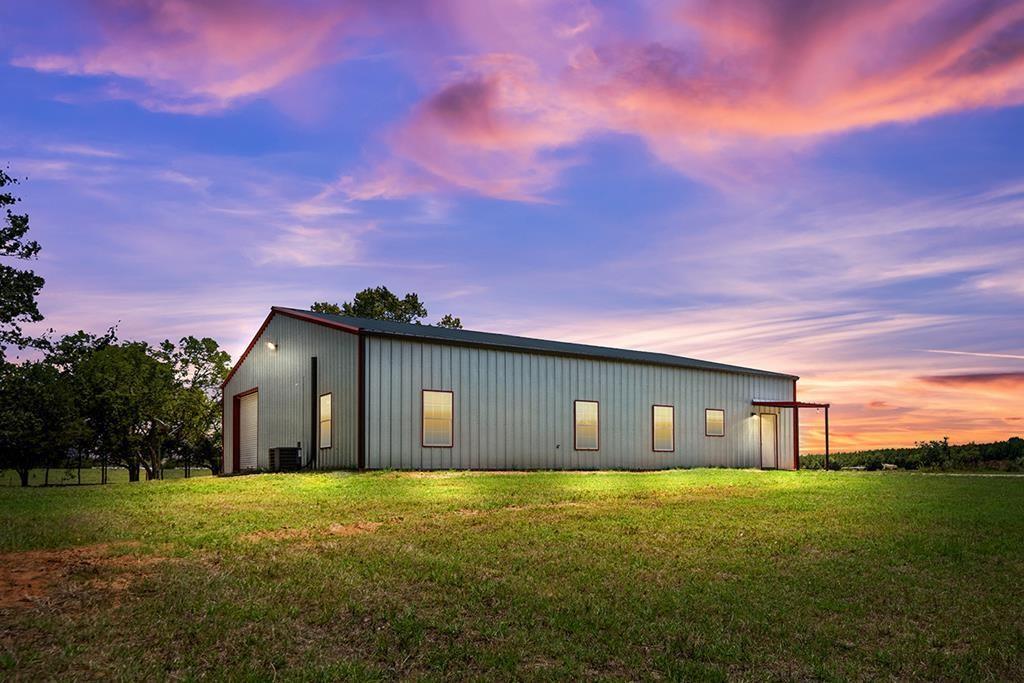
x: 707, y: 574
x: 90, y: 475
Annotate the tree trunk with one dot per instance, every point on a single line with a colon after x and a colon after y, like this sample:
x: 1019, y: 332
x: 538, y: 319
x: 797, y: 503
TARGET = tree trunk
x: 155, y: 468
x: 46, y: 478
x: 23, y: 474
x: 133, y: 471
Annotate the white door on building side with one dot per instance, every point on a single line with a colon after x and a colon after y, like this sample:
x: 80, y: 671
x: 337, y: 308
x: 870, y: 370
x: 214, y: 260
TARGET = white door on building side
x: 769, y: 440
x: 248, y: 417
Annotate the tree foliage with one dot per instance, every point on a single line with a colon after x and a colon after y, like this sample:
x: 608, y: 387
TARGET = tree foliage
x: 199, y: 366
x: 19, y: 287
x: 450, y: 321
x: 380, y: 303
x: 123, y: 403
x: 128, y: 399
x: 39, y: 419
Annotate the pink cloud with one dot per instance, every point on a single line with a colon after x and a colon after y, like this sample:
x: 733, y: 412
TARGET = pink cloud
x: 718, y: 89
x: 200, y: 57
x: 490, y: 130
x: 713, y: 88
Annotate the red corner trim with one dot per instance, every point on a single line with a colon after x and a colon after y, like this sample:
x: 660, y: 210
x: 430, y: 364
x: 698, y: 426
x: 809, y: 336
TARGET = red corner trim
x: 796, y: 431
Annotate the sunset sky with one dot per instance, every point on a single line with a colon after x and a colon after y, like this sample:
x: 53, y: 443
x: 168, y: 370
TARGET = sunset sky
x: 830, y: 189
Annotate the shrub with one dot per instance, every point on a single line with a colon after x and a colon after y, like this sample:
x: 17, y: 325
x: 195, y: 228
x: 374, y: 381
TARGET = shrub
x: 937, y: 454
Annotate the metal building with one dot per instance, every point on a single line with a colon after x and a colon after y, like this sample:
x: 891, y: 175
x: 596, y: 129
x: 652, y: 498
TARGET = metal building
x: 370, y: 394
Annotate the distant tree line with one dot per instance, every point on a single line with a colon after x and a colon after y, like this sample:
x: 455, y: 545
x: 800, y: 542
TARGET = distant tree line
x: 930, y: 455
x: 98, y: 400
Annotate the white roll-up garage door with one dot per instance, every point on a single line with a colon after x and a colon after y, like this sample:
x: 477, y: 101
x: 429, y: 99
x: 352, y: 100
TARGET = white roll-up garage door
x: 248, y: 414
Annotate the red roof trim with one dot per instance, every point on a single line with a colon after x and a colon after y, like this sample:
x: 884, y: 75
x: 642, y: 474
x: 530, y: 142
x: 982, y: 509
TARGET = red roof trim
x: 298, y: 315
x: 248, y: 348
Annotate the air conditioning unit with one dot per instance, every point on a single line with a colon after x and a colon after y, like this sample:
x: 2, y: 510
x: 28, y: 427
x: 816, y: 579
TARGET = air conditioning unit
x: 285, y: 459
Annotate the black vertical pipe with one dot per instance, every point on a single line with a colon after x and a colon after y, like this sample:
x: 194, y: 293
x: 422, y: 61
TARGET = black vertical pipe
x: 314, y: 413
x: 361, y: 405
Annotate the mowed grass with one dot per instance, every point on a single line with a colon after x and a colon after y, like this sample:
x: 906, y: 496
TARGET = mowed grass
x: 90, y: 475
x: 704, y: 574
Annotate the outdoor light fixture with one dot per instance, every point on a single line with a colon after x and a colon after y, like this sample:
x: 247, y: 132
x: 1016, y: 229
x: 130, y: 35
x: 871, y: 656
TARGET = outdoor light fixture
x: 272, y: 346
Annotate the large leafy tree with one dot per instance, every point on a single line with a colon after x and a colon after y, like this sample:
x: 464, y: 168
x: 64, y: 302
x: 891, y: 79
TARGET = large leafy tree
x: 39, y: 418
x: 380, y: 303
x: 19, y: 287
x: 199, y: 366
x: 129, y: 399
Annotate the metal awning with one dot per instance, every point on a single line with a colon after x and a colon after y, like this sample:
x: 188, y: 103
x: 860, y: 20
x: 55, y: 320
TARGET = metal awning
x: 797, y: 405
x: 789, y: 404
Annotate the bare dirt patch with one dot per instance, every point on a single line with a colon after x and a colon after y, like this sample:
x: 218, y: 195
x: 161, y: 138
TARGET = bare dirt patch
x: 353, y: 529
x: 31, y: 576
x: 291, y: 533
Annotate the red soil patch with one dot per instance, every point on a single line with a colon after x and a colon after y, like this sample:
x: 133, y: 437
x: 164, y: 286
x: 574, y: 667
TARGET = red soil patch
x: 30, y: 576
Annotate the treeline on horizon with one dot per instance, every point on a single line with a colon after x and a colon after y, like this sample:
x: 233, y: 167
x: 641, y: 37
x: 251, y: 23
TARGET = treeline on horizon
x: 936, y: 455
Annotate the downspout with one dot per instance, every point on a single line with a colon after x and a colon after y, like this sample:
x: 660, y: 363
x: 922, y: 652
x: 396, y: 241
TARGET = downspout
x: 314, y: 411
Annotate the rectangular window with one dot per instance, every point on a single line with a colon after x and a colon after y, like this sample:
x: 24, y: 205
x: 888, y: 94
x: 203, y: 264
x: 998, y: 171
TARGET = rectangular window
x: 325, y: 420
x: 437, y: 419
x: 714, y: 422
x: 587, y: 425
x: 664, y: 421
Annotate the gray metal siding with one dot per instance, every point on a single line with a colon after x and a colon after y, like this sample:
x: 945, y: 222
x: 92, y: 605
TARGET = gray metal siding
x: 514, y: 410
x: 283, y: 380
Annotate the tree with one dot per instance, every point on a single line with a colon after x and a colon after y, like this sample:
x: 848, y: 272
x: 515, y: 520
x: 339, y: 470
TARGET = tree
x: 380, y: 303
x: 129, y: 400
x: 325, y: 307
x: 450, y: 321
x: 199, y: 365
x: 39, y: 422
x: 18, y: 287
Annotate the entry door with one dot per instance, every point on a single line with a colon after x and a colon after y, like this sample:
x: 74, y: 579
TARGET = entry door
x: 248, y: 415
x: 769, y: 440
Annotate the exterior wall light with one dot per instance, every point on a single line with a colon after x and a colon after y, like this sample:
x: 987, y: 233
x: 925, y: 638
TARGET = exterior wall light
x: 272, y: 346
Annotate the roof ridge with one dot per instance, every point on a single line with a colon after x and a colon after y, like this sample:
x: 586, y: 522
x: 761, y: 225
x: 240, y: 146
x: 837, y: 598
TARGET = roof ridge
x: 512, y: 341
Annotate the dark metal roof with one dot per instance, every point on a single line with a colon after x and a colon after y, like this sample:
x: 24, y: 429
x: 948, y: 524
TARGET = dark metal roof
x: 512, y: 342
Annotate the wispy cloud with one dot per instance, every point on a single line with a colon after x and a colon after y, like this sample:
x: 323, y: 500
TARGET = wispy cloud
x: 976, y: 354
x: 83, y: 150
x: 310, y: 247
x: 1002, y: 381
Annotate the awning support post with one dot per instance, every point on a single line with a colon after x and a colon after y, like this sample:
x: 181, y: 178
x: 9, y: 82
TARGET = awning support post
x: 826, y: 438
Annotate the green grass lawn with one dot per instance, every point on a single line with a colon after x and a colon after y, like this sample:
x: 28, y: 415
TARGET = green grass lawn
x: 90, y: 475
x: 706, y: 574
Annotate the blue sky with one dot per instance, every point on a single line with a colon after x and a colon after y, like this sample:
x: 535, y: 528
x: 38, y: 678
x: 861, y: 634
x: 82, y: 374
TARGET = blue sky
x: 837, y: 195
